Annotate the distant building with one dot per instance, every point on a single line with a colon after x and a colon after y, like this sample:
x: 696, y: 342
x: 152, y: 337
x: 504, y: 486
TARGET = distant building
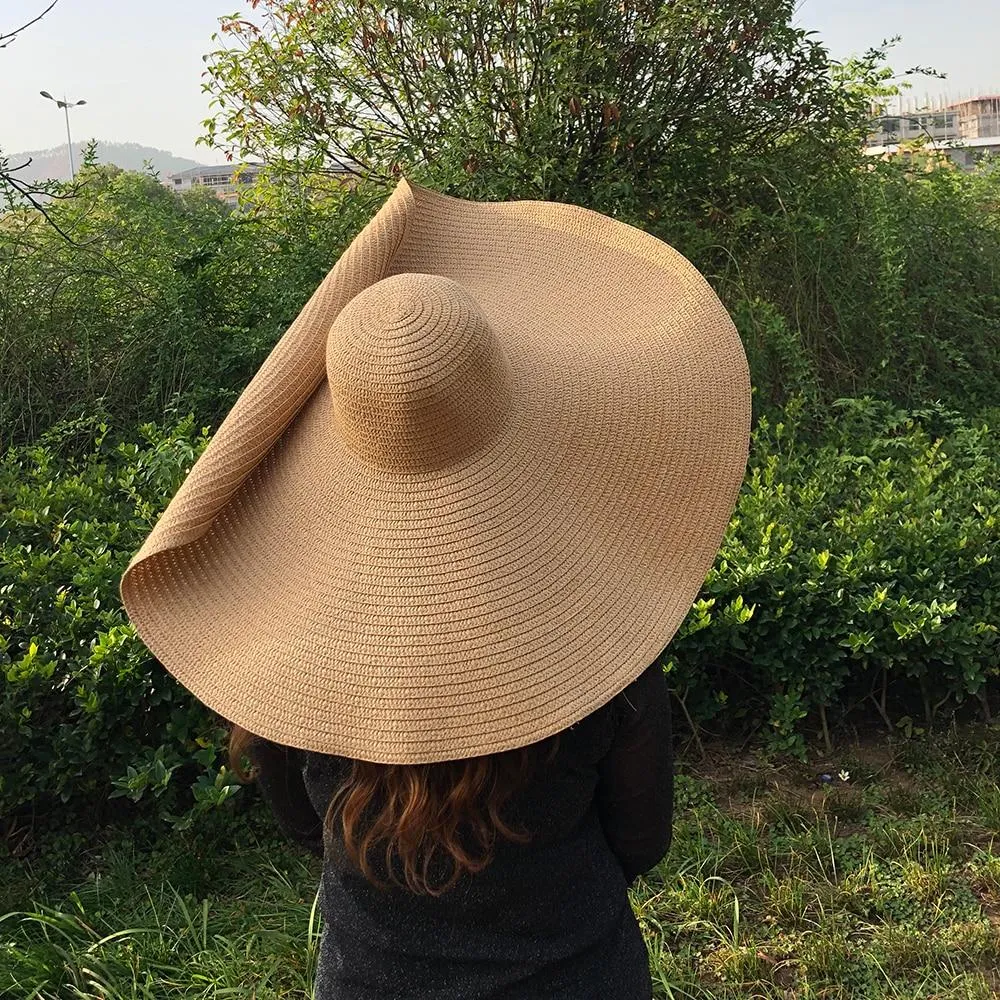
x: 964, y: 153
x: 979, y: 118
x: 965, y: 132
x: 931, y: 125
x: 227, y: 180
x: 224, y: 181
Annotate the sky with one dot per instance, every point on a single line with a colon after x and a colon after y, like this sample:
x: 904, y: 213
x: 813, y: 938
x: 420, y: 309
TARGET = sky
x: 138, y: 63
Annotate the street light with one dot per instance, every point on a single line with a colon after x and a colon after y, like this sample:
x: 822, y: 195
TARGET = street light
x: 66, y: 105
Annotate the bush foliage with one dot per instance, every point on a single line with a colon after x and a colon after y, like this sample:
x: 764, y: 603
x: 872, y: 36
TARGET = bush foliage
x: 862, y: 568
x: 860, y: 571
x: 130, y: 299
x: 85, y: 714
x: 878, y: 281
x: 622, y: 105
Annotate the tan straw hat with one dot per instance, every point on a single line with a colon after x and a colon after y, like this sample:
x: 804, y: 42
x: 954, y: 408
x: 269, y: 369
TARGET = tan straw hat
x: 469, y: 496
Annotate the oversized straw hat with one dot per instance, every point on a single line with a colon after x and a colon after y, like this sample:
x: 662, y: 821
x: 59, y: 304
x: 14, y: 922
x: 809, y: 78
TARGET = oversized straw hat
x: 469, y: 496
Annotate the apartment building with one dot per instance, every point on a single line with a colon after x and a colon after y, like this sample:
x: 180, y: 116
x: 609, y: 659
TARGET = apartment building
x: 979, y: 118
x: 224, y: 181
x: 966, y: 131
x: 935, y: 126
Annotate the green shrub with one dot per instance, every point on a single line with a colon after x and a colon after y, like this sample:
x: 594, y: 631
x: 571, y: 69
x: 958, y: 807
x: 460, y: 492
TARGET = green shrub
x: 856, y: 571
x: 859, y: 570
x: 621, y: 106
x: 853, y: 282
x: 85, y: 712
x: 135, y: 299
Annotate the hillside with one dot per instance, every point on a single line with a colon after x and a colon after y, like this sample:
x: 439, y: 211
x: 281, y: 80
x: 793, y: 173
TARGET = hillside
x: 54, y: 163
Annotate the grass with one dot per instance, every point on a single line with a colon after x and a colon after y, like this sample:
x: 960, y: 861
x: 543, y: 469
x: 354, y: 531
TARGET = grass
x: 883, y: 883
x: 217, y: 913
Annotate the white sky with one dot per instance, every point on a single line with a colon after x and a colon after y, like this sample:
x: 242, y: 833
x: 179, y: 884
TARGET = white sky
x: 138, y: 63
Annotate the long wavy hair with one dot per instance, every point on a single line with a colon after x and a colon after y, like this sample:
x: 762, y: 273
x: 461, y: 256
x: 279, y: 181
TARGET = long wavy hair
x: 428, y: 824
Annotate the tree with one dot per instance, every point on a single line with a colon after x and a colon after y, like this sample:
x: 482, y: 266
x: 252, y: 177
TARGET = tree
x: 550, y: 97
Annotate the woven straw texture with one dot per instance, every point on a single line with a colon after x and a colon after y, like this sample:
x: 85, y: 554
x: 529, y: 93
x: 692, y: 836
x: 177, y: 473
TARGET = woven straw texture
x: 469, y: 496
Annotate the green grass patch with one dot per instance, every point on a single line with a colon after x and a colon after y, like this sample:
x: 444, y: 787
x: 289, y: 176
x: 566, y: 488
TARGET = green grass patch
x: 209, y: 913
x: 883, y: 882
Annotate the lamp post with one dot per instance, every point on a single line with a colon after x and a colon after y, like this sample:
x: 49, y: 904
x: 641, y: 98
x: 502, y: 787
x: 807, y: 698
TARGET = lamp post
x: 66, y: 105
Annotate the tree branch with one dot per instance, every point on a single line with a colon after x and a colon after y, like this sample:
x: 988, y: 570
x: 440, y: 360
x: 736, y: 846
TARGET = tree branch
x: 8, y: 37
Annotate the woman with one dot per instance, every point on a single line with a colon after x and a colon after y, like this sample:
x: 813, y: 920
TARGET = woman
x: 426, y: 562
x: 524, y: 890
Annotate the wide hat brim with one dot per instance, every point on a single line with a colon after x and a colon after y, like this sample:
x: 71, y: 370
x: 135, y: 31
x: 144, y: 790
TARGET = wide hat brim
x: 327, y: 603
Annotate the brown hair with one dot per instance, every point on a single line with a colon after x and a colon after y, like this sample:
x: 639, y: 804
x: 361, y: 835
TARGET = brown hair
x: 415, y: 816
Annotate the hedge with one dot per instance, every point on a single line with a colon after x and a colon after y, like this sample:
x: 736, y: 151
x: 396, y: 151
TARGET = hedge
x: 858, y: 573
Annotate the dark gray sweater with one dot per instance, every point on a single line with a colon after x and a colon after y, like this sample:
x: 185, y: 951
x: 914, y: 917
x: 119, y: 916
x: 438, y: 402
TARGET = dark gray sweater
x: 546, y: 920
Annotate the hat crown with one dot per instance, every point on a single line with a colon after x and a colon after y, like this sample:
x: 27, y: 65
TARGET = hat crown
x: 419, y: 379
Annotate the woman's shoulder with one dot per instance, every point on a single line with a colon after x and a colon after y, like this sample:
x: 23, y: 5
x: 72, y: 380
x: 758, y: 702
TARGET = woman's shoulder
x: 594, y: 734
x: 647, y: 691
x: 648, y: 688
